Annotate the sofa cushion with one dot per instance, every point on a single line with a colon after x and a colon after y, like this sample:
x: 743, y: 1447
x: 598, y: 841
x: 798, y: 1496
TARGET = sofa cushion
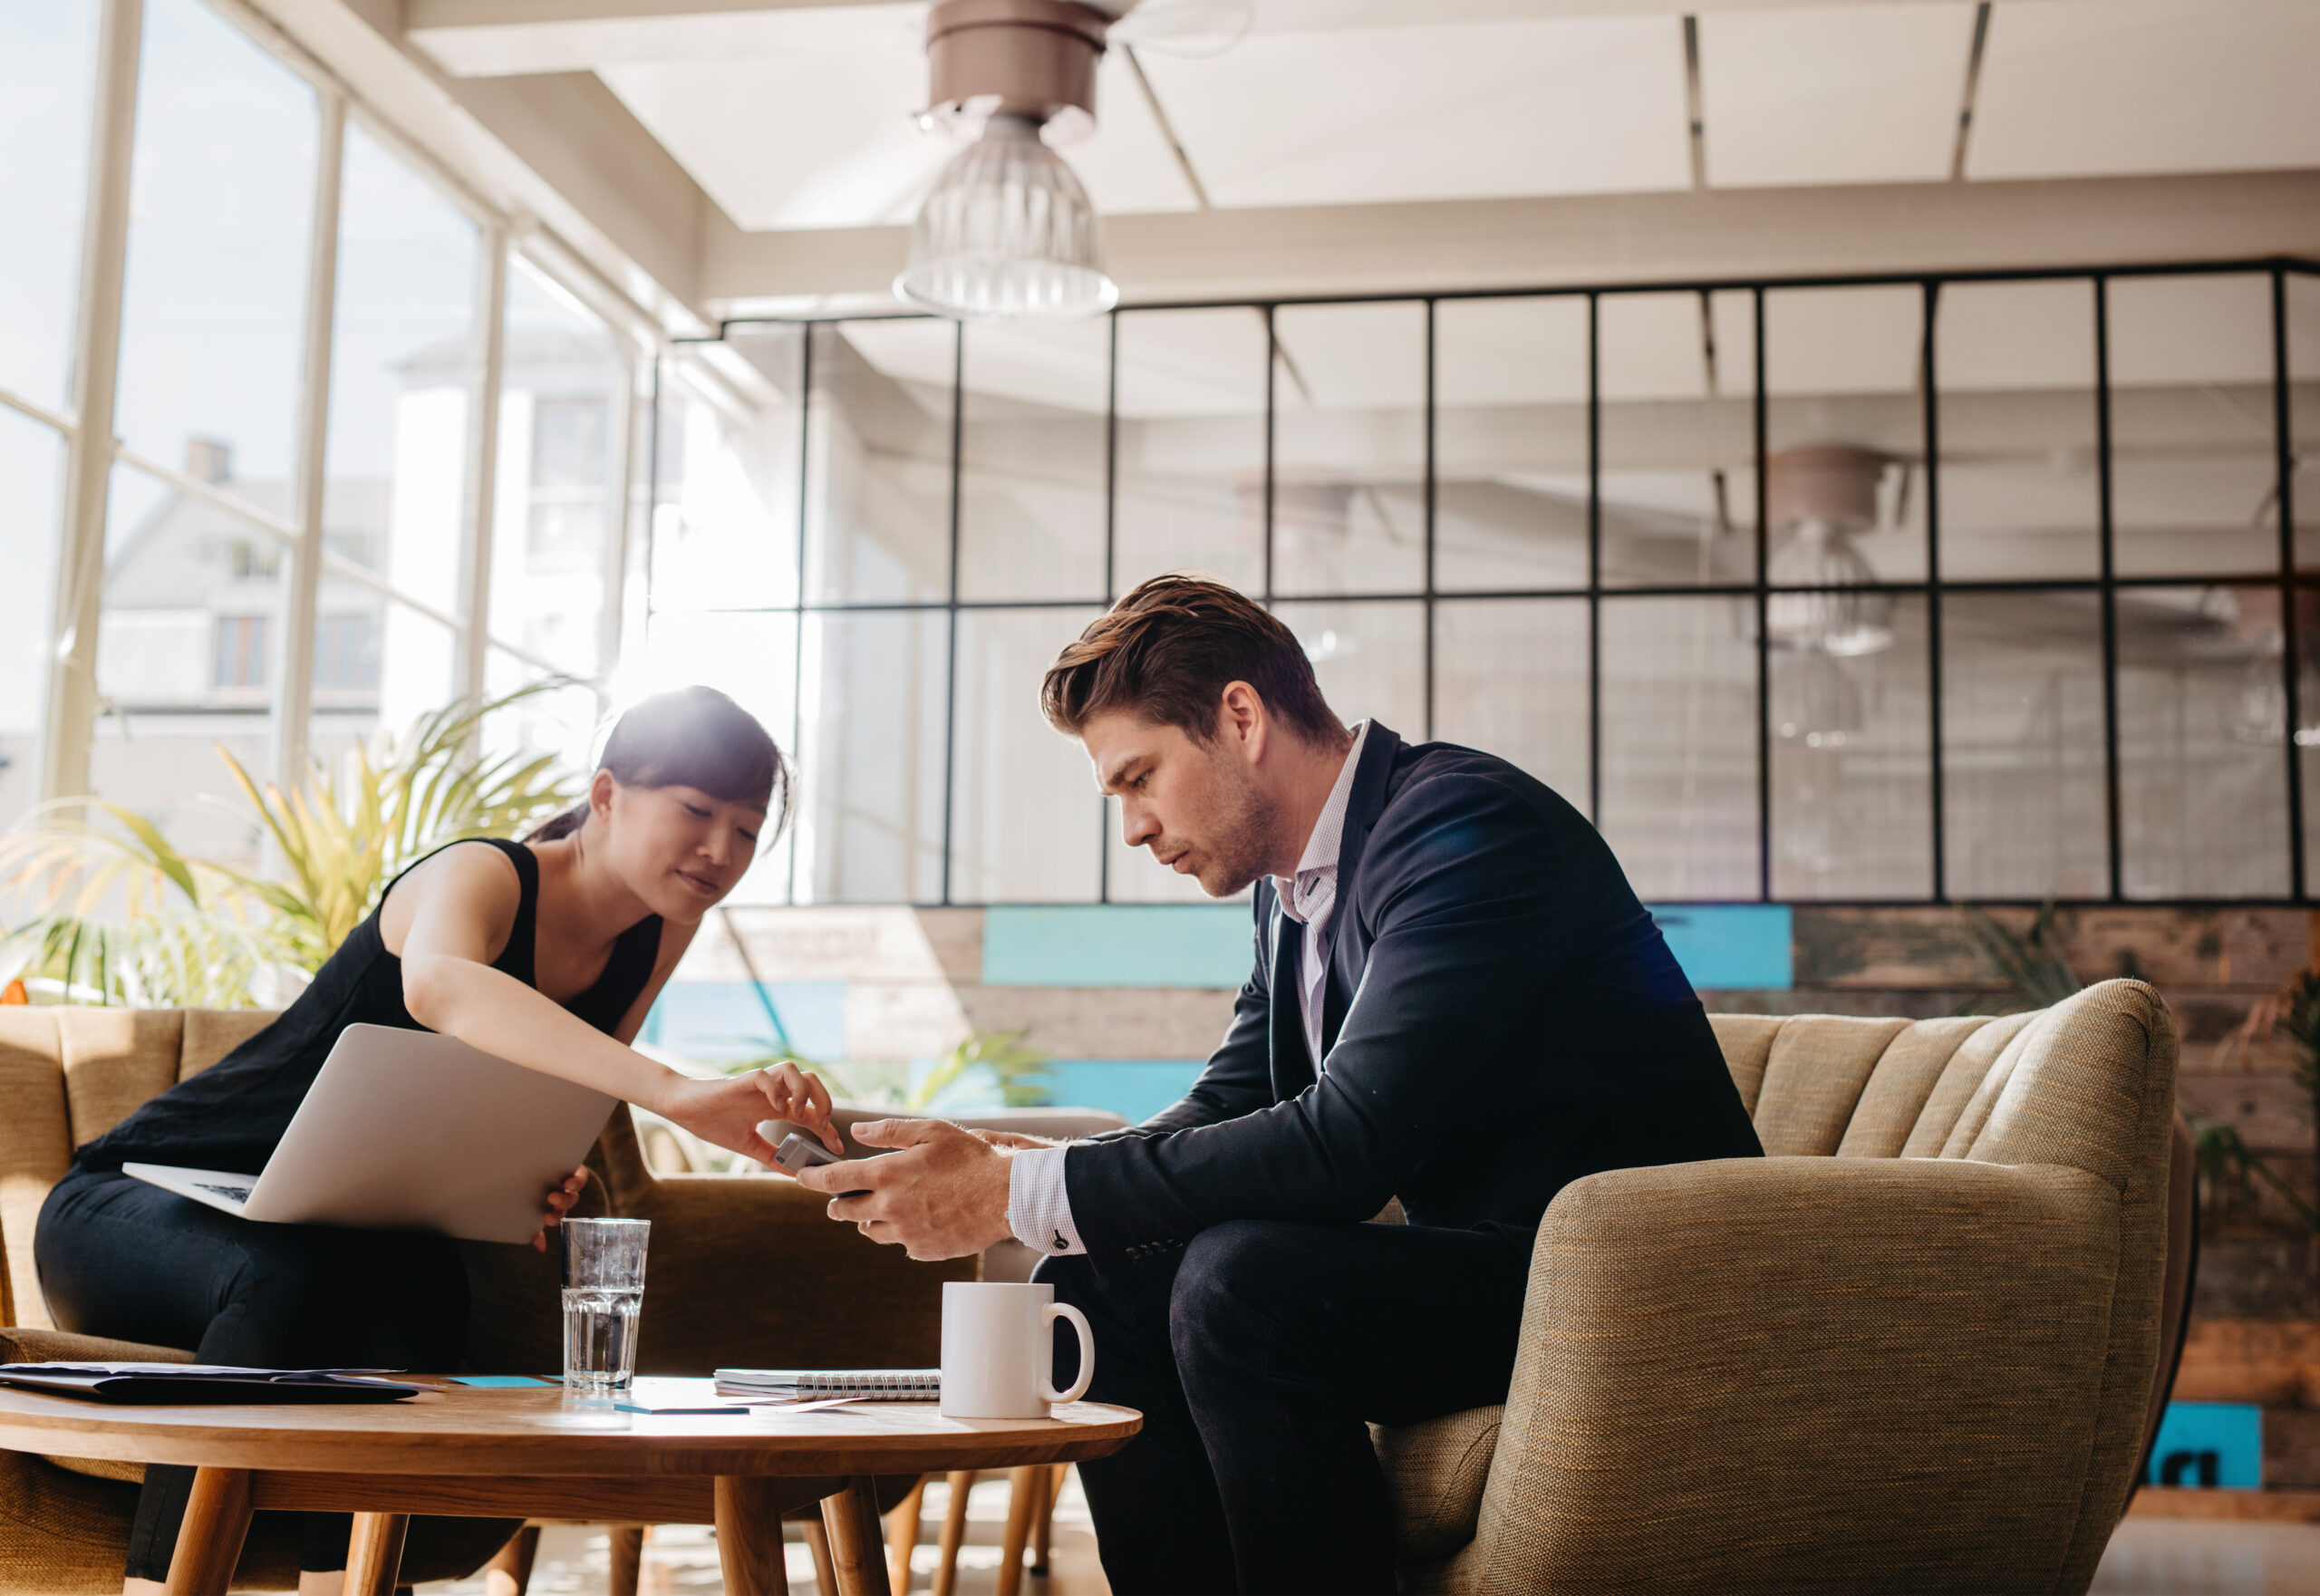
x: 1435, y: 1471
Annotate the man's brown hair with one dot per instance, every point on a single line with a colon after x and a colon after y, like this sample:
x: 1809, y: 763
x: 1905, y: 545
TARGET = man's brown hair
x: 1168, y: 650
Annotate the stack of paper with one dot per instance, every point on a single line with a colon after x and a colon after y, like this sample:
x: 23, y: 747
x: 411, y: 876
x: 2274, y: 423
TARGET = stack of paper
x: 203, y: 1382
x: 801, y: 1385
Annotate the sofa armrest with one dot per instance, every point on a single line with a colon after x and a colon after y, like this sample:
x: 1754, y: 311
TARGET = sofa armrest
x: 749, y: 1270
x: 51, y: 1346
x: 1804, y: 1374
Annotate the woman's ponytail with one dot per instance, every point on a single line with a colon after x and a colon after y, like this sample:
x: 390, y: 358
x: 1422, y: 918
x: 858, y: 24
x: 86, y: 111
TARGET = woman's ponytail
x: 560, y: 825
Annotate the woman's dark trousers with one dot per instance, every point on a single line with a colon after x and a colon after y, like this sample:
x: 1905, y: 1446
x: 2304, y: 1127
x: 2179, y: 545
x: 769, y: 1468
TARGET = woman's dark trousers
x: 126, y: 1260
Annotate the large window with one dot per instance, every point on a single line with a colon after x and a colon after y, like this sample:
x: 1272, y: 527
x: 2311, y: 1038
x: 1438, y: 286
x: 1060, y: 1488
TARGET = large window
x: 1869, y: 591
x: 282, y: 535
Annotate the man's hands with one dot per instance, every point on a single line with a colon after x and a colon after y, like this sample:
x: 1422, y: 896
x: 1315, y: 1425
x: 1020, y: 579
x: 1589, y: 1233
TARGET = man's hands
x: 943, y: 1195
x: 1014, y: 1141
x: 560, y: 1202
x: 727, y: 1111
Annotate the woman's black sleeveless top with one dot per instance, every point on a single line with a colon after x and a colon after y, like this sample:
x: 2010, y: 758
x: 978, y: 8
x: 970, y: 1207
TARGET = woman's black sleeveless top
x: 232, y: 1115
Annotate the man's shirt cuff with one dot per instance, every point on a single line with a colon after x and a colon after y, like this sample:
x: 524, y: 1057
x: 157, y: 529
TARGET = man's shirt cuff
x: 1038, y: 1207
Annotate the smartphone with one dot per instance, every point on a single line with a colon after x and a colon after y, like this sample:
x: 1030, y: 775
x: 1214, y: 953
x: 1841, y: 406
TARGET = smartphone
x: 800, y: 1152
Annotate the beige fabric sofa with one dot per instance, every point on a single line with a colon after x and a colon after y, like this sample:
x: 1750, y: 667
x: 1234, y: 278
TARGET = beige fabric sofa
x: 1915, y: 1349
x: 728, y: 1253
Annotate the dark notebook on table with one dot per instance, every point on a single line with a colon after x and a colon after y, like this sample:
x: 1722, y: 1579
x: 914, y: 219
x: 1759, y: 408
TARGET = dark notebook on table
x: 202, y: 1382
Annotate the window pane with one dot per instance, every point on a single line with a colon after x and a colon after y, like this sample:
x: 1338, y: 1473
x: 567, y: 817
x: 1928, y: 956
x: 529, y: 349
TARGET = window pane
x: 1510, y: 678
x: 754, y: 659
x: 2202, y: 778
x: 32, y: 463
x: 221, y: 209
x: 379, y: 666
x: 1192, y: 445
x: 2194, y: 459
x: 185, y: 664
x: 2022, y: 809
x: 1031, y: 485
x: 1680, y: 745
x: 871, y: 755
x: 1025, y: 816
x: 1852, y: 768
x: 1369, y: 657
x: 1842, y: 371
x: 555, y: 521
x: 1349, y: 499
x: 47, y: 83
x: 1510, y: 443
x: 402, y: 368
x: 1678, y: 373
x: 2020, y: 470
x: 878, y: 462
x: 725, y: 531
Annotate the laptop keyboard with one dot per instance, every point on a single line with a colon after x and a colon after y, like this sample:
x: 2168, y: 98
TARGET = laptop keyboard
x: 237, y: 1194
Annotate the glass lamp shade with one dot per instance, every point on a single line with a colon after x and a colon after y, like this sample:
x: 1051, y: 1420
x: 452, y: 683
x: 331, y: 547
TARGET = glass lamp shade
x: 1842, y: 617
x: 1007, y: 233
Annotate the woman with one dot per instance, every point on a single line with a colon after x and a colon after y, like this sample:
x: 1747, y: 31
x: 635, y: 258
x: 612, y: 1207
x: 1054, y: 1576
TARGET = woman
x: 548, y: 953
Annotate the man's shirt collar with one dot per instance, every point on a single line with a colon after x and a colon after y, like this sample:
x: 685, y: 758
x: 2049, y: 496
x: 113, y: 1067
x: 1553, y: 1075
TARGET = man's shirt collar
x: 1318, y: 862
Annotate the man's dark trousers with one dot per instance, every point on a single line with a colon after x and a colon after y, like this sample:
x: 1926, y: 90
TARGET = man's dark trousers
x: 1257, y: 1354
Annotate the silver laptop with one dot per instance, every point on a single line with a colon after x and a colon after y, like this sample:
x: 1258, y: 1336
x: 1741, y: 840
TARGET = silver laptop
x: 409, y: 1130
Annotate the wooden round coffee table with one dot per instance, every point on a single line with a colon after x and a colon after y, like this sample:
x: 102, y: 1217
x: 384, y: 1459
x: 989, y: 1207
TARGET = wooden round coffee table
x: 527, y: 1453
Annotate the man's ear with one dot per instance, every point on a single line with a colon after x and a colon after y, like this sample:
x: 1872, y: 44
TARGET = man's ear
x: 1241, y: 720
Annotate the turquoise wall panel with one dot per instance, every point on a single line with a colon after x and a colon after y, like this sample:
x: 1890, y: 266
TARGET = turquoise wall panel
x: 1135, y: 1088
x: 2210, y: 1444
x: 1725, y: 946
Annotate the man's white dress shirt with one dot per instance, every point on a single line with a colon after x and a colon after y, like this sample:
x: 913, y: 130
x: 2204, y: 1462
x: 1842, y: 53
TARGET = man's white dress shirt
x: 1039, y: 1207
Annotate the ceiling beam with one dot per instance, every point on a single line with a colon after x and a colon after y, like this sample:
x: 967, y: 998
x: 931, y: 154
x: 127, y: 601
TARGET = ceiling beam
x: 496, y: 38
x: 1704, y: 235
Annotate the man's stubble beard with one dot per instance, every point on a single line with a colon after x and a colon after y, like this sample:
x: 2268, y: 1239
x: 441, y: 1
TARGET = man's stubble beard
x: 1242, y: 836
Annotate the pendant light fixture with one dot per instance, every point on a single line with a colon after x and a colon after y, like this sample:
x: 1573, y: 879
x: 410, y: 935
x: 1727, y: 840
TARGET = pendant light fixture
x: 1821, y: 496
x: 1008, y: 232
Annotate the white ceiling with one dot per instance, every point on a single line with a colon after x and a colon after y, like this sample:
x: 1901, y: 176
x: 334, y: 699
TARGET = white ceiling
x: 797, y: 116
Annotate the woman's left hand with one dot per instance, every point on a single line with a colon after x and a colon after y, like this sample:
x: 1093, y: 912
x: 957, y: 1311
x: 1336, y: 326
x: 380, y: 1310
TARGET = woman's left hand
x: 561, y: 1201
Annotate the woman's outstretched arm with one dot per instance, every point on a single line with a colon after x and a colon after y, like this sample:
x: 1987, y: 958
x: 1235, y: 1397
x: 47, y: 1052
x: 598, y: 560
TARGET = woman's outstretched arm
x: 454, y: 923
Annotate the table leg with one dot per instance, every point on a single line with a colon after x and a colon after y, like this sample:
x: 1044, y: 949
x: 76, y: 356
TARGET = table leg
x: 1022, y: 1503
x: 954, y: 1530
x: 902, y: 1537
x: 375, y: 1554
x: 209, y: 1542
x: 856, y: 1545
x: 748, y: 1537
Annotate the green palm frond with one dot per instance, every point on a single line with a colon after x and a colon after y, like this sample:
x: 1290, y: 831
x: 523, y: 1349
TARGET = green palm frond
x: 108, y: 908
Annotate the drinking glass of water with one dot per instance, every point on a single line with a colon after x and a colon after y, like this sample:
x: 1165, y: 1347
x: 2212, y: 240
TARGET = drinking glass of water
x: 603, y: 1290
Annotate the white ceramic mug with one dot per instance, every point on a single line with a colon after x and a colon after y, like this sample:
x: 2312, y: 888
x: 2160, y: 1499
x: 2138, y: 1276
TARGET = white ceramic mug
x: 999, y: 1350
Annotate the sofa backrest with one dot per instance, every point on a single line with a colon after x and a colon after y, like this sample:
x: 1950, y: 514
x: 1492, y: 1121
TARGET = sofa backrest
x: 69, y: 1075
x: 2088, y: 1083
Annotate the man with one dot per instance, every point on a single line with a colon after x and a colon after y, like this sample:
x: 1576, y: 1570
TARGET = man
x: 1457, y: 1002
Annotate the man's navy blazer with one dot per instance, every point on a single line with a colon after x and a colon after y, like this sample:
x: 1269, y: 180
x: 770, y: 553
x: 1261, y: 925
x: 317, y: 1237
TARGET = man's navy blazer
x: 1500, y: 1017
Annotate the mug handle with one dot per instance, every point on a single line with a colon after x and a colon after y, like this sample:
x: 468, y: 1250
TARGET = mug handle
x: 1053, y: 1311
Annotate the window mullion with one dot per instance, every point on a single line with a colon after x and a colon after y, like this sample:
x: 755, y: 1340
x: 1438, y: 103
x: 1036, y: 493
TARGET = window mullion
x: 293, y: 688
x: 69, y: 727
x: 483, y: 461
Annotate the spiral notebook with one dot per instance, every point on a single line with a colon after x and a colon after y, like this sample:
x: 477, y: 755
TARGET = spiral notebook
x: 798, y: 1385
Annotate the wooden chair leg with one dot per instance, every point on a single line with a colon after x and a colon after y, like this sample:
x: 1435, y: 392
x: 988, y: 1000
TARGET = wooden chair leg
x: 628, y: 1559
x: 856, y: 1547
x: 902, y: 1537
x: 818, y: 1542
x: 1043, y: 1522
x: 209, y: 1543
x: 1022, y: 1499
x: 374, y: 1554
x: 954, y: 1530
x: 509, y: 1571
